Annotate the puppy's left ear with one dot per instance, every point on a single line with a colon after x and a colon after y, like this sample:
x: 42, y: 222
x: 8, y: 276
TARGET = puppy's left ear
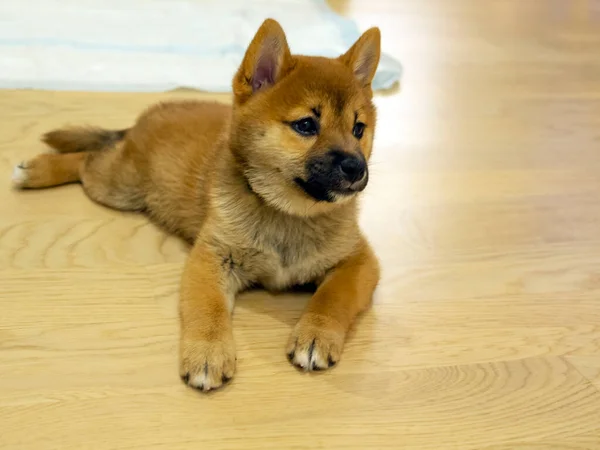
x: 267, y: 60
x: 363, y: 56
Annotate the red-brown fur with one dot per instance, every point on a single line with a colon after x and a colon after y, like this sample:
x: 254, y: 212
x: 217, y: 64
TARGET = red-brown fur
x: 222, y: 178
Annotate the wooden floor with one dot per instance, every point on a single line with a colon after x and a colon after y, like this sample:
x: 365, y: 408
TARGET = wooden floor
x: 484, y: 208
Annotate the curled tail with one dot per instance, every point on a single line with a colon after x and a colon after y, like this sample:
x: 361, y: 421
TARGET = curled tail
x: 82, y: 139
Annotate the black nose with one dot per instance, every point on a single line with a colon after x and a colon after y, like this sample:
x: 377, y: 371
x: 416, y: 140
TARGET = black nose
x: 353, y: 167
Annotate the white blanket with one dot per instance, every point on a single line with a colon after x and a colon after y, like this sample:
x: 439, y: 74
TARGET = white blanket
x: 156, y: 45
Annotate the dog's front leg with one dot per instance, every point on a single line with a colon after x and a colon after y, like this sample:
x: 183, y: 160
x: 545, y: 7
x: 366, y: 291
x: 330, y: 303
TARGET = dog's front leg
x: 207, y: 348
x: 318, y: 339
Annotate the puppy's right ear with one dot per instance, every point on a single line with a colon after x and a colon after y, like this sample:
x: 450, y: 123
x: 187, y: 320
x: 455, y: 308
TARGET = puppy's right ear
x: 266, y: 61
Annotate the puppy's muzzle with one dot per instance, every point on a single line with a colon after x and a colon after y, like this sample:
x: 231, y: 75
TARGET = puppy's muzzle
x: 335, y: 172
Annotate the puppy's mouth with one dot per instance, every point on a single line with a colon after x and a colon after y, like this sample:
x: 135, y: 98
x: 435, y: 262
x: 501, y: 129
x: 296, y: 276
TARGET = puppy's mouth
x: 331, y: 190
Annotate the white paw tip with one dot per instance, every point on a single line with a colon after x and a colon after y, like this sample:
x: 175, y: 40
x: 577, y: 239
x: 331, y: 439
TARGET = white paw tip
x: 19, y: 175
x: 202, y: 382
x: 308, y: 360
x: 197, y: 381
x: 302, y: 360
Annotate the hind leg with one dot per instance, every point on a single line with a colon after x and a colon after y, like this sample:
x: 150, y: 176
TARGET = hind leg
x: 109, y: 177
x: 112, y: 178
x: 47, y: 170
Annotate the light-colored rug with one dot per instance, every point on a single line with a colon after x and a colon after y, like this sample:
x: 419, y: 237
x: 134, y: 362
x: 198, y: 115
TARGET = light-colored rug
x: 156, y: 45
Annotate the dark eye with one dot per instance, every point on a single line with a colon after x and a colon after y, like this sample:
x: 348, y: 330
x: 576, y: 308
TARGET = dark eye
x: 358, y: 130
x: 306, y: 126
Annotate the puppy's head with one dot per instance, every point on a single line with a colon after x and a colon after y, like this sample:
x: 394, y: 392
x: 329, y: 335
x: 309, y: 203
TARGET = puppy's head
x: 302, y: 126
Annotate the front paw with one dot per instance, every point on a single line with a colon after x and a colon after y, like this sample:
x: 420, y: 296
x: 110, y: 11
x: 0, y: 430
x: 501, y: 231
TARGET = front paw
x: 207, y: 365
x: 316, y: 343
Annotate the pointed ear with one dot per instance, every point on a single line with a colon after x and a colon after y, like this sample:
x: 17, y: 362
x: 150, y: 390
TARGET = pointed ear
x: 266, y: 61
x: 363, y: 56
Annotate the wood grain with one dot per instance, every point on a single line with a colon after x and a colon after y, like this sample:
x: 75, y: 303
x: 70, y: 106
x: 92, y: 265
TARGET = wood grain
x: 483, y: 208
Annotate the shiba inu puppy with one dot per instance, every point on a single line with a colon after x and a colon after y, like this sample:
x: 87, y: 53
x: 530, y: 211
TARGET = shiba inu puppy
x: 265, y: 189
